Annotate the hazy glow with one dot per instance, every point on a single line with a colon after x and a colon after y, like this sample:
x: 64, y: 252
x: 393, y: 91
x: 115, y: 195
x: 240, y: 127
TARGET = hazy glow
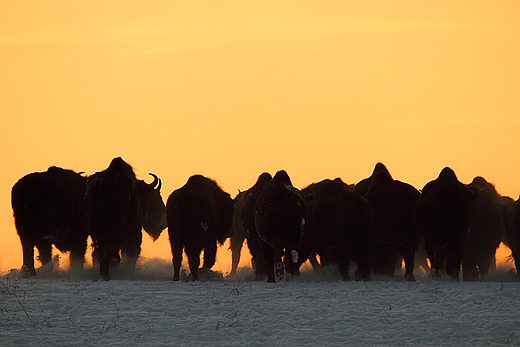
x: 231, y: 90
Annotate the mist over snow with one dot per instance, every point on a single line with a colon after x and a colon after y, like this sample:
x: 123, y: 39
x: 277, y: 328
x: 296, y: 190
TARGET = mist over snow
x: 317, y: 308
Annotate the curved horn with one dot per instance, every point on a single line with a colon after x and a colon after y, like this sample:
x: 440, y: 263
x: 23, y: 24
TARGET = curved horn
x: 155, y: 181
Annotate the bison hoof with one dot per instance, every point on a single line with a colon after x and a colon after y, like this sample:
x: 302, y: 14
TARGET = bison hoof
x: 26, y: 272
x: 436, y: 275
x: 279, y: 271
x: 410, y: 277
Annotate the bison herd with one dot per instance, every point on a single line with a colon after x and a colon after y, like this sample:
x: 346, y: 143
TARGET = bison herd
x: 376, y: 224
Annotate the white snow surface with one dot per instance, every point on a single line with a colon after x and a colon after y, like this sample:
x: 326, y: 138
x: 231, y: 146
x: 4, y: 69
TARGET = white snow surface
x: 315, y: 309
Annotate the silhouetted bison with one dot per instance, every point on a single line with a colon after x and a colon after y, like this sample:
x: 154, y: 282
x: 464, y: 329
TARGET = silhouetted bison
x: 248, y: 220
x: 48, y: 209
x: 396, y: 233
x: 118, y: 206
x: 338, y: 227
x: 444, y: 216
x: 486, y: 231
x: 279, y: 219
x: 239, y: 233
x: 199, y: 215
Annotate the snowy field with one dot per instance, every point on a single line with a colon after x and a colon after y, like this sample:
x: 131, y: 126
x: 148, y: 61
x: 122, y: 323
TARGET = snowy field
x: 61, y: 309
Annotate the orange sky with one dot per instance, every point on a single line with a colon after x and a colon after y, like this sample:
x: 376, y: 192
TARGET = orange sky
x: 229, y: 90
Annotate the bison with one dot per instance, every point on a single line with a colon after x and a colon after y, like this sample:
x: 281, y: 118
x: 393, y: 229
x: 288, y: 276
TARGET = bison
x: 239, y: 233
x: 444, y: 216
x: 279, y: 220
x: 338, y: 227
x: 486, y: 231
x: 396, y: 233
x: 200, y: 213
x: 247, y: 214
x: 48, y: 210
x: 118, y: 205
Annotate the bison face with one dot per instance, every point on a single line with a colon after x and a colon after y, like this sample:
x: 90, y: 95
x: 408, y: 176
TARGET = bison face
x: 154, y: 211
x: 227, y: 210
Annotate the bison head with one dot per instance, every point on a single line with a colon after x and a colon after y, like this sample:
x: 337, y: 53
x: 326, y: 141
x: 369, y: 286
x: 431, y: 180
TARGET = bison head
x: 154, y: 211
x: 226, y: 211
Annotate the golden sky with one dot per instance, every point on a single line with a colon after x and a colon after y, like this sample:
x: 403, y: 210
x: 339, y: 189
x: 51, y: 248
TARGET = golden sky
x: 231, y: 89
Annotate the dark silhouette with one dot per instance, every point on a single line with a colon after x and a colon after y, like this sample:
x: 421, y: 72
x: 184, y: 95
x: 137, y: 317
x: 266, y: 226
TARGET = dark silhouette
x: 239, y: 233
x: 279, y: 220
x: 396, y: 233
x: 486, y: 231
x: 199, y: 215
x: 444, y: 216
x: 48, y: 210
x: 118, y: 206
x: 338, y: 227
x: 248, y: 220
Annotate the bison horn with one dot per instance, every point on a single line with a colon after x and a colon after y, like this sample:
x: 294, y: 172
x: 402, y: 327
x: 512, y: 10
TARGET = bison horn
x: 156, y: 181
x: 236, y: 198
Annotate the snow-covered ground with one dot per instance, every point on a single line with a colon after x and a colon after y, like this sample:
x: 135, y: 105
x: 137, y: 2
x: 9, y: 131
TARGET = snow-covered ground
x: 61, y: 308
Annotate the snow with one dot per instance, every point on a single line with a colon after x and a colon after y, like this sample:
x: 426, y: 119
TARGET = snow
x: 147, y: 308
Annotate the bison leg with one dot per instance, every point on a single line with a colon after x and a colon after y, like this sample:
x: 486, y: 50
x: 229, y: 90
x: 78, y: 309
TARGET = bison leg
x: 360, y: 254
x: 268, y: 253
x: 210, y: 253
x: 384, y: 259
x: 305, y: 253
x: 132, y: 248
x: 193, y: 250
x: 104, y: 258
x: 408, y: 253
x: 45, y: 250
x: 469, y: 268
x: 344, y: 268
x: 236, y: 242
x: 363, y: 266
x: 314, y: 261
x: 363, y: 272
x: 104, y: 269
x: 177, y: 258
x: 77, y: 256
x: 28, y: 269
x: 421, y: 256
x: 194, y: 262
x: 279, y: 269
x: 437, y: 265
x: 486, y: 263
x: 436, y: 260
x: 257, y: 254
x: 453, y: 265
